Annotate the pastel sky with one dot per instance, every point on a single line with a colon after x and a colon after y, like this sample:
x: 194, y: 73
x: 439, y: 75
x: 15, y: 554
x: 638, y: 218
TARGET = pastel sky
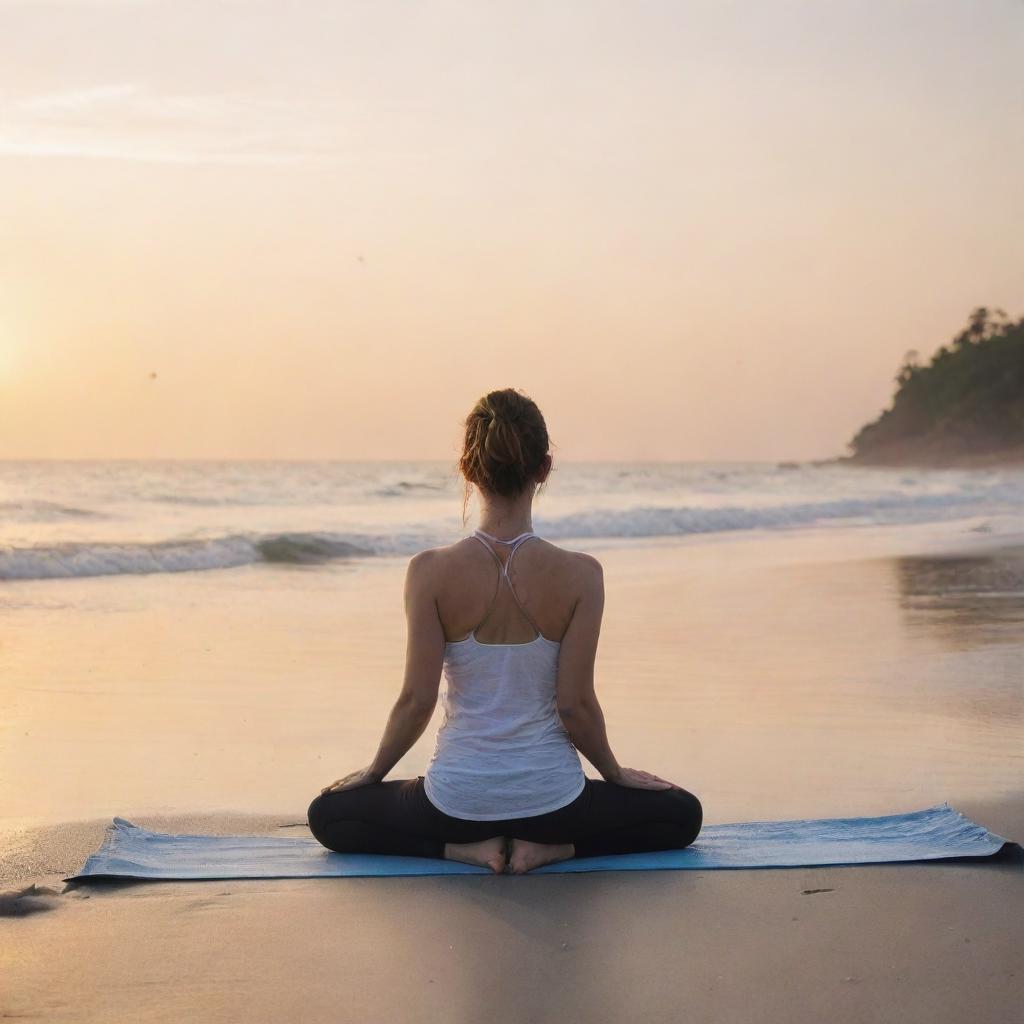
x: 689, y: 230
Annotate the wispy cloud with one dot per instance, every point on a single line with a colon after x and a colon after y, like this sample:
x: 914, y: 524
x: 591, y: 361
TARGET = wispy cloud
x: 73, y: 4
x: 126, y: 121
x: 76, y: 100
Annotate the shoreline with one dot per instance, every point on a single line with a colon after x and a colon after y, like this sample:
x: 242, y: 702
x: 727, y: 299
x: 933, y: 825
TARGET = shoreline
x: 905, y: 457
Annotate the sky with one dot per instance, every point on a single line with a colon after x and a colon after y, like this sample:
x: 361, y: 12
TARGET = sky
x: 688, y: 230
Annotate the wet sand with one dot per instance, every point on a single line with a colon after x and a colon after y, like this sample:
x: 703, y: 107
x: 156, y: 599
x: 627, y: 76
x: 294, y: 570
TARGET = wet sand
x: 823, y: 674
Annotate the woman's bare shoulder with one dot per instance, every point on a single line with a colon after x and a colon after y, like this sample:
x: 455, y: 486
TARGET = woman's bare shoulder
x: 577, y: 571
x: 578, y: 561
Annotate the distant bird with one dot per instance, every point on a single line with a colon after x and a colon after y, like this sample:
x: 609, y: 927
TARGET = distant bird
x: 152, y: 376
x: 361, y: 259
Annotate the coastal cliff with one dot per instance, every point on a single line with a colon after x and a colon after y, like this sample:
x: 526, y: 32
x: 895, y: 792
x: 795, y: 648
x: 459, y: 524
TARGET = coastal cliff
x: 963, y: 408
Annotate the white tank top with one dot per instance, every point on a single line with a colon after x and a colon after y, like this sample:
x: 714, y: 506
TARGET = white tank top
x: 502, y: 751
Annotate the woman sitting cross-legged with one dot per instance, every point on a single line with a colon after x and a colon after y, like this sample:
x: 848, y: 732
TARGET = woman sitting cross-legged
x: 504, y: 788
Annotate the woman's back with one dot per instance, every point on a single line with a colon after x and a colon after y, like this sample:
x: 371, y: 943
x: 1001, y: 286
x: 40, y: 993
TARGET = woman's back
x: 502, y: 749
x: 512, y: 623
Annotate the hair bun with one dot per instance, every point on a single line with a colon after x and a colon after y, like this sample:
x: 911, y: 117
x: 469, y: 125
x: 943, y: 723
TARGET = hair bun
x: 506, y: 443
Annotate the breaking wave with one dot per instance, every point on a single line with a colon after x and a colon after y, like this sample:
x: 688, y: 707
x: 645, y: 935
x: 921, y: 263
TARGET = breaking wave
x: 78, y: 558
x: 188, y: 555
x: 43, y: 512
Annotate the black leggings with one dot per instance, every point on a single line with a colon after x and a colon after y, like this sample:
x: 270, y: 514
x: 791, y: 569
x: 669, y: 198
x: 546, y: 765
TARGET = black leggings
x: 396, y: 817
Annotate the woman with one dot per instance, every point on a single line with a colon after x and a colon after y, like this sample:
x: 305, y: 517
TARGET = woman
x: 505, y: 788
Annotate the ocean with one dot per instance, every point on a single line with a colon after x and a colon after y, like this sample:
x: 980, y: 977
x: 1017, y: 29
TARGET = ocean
x: 68, y: 519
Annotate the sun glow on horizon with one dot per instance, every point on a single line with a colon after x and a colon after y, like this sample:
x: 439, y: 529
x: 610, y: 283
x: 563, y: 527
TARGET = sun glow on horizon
x: 8, y: 354
x: 689, y: 231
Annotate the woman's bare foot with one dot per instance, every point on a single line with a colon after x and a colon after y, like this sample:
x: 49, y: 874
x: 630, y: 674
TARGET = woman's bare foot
x: 525, y: 856
x: 488, y: 853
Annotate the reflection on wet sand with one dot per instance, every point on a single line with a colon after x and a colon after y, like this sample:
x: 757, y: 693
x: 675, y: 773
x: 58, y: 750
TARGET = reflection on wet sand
x: 774, y: 677
x: 973, y: 599
x: 973, y: 607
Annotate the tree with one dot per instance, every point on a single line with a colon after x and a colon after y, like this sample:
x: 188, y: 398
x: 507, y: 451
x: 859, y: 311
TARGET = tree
x: 970, y: 397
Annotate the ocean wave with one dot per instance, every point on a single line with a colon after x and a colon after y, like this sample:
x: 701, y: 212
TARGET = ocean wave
x: 29, y: 511
x: 404, y: 487
x: 315, y: 547
x: 199, y: 500
x: 236, y: 500
x: 274, y: 497
x: 56, y: 561
x: 885, y: 509
x: 308, y: 548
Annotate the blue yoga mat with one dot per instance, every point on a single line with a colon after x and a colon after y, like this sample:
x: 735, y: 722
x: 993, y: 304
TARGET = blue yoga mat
x: 931, y: 834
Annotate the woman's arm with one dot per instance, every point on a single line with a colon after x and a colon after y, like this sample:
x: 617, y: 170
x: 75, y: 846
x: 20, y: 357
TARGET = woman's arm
x: 578, y: 705
x: 424, y: 657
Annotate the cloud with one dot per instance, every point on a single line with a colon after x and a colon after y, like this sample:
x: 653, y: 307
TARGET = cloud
x: 78, y: 99
x: 86, y: 4
x: 127, y: 121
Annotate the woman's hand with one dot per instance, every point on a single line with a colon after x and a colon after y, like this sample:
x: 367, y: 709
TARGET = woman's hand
x: 363, y: 777
x: 634, y: 778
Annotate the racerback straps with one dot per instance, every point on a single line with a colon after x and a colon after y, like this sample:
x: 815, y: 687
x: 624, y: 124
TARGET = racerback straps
x: 516, y: 542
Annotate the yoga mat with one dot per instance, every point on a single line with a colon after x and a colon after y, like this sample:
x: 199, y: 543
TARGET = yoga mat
x: 936, y: 832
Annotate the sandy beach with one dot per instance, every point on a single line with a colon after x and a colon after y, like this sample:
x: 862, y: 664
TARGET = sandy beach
x: 810, y: 634
x: 936, y: 942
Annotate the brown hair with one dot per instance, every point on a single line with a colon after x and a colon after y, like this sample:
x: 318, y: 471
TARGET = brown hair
x: 505, y: 446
